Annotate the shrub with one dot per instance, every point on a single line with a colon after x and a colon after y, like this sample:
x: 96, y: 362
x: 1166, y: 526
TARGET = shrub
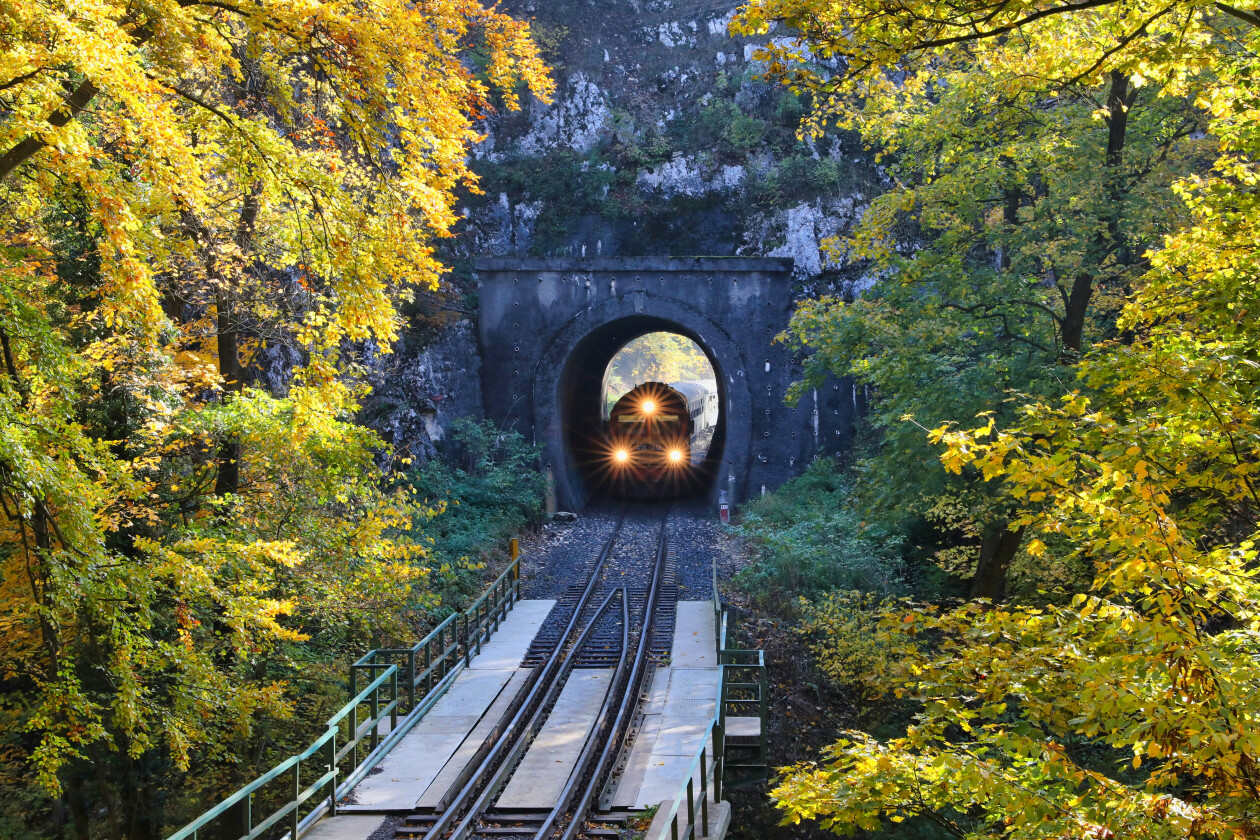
x: 799, y: 177
x: 723, y: 127
x: 492, y: 488
x: 847, y: 641
x: 808, y: 539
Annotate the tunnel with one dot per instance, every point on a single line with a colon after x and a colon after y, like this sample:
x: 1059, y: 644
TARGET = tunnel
x: 547, y: 327
x: 583, y: 405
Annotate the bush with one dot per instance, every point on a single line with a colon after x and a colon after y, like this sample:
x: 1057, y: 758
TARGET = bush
x: 492, y: 488
x: 808, y: 539
x: 799, y: 177
x: 723, y: 127
x: 847, y: 641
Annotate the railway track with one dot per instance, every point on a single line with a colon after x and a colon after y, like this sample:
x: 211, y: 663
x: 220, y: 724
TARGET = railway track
x: 619, y: 620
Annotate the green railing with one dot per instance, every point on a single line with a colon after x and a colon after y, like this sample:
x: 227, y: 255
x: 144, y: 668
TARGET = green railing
x: 712, y: 753
x: 401, y: 685
x: 745, y: 685
x: 745, y: 693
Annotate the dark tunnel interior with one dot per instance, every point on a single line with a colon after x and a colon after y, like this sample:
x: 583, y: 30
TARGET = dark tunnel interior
x: 581, y: 386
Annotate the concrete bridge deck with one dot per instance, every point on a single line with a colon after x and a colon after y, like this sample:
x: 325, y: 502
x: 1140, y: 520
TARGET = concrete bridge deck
x: 680, y: 706
x: 541, y: 776
x: 432, y: 759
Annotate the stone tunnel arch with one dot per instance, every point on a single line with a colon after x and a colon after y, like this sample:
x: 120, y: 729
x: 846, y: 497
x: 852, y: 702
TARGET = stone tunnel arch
x: 570, y: 373
x: 548, y: 326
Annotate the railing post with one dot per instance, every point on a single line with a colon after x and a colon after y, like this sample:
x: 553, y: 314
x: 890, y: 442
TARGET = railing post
x: 297, y: 795
x: 393, y: 706
x: 411, y: 679
x: 375, y: 706
x: 332, y: 767
x: 764, y: 690
x: 428, y: 662
x: 719, y: 760
x: 467, y: 643
x: 691, y: 805
x: 515, y: 550
x: 704, y: 795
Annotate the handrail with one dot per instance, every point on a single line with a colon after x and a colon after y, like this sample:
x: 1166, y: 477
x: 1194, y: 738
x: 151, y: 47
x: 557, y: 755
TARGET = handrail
x: 245, y: 794
x: 434, y: 661
x: 714, y: 740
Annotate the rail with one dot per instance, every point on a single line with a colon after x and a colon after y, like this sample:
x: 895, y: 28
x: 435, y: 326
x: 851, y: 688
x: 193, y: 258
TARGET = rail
x: 353, y: 742
x: 489, y: 777
x: 629, y: 701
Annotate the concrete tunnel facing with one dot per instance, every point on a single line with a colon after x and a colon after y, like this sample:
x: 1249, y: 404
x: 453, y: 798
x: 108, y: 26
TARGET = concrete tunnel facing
x: 547, y: 328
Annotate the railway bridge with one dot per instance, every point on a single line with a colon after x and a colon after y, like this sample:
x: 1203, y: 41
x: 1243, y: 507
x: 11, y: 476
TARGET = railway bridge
x: 548, y: 328
x: 617, y: 709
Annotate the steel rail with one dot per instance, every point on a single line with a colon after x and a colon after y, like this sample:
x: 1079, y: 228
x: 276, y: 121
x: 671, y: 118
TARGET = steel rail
x: 504, y: 771
x: 611, y: 736
x: 538, y: 686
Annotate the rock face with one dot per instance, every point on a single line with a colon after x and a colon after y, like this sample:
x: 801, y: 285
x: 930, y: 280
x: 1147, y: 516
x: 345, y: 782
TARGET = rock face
x: 661, y: 141
x: 422, y: 386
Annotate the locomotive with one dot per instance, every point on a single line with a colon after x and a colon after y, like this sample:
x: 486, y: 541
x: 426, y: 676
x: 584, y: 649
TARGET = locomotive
x: 658, y: 435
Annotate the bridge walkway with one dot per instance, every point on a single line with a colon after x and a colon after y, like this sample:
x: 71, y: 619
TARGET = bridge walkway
x: 680, y: 706
x: 433, y: 759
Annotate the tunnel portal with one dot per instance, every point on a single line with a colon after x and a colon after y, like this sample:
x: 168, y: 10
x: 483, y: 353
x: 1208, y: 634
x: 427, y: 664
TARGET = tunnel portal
x: 549, y: 326
x: 583, y: 414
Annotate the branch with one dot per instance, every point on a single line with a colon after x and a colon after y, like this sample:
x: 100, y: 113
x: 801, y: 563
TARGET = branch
x: 17, y: 80
x: 75, y: 102
x: 981, y: 35
x: 1242, y: 14
x: 1121, y: 44
x: 1009, y: 334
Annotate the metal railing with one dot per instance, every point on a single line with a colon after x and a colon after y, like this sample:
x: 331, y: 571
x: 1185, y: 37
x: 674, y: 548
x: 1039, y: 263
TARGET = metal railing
x: 714, y: 747
x: 749, y: 693
x: 356, y: 738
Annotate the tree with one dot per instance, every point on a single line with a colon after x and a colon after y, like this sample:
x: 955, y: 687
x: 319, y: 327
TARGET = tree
x: 655, y: 357
x: 1128, y: 709
x: 185, y: 184
x: 1025, y: 185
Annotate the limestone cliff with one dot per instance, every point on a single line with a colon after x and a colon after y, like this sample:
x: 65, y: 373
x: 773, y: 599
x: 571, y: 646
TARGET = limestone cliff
x: 660, y: 140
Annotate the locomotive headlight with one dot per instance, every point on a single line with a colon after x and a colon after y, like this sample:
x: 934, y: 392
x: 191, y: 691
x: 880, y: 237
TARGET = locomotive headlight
x: 621, y: 455
x: 648, y: 406
x: 675, y: 456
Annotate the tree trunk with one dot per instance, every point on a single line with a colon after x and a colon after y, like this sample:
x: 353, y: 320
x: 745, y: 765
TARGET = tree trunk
x: 1119, y: 98
x: 228, y: 479
x: 80, y: 814
x: 227, y: 326
x: 997, y: 550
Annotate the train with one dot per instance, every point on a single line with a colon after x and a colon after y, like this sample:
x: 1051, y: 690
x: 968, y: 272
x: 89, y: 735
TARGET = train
x: 658, y: 435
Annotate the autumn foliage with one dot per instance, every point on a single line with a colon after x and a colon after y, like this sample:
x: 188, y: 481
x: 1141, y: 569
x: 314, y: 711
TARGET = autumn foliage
x: 1123, y: 704
x: 193, y: 192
